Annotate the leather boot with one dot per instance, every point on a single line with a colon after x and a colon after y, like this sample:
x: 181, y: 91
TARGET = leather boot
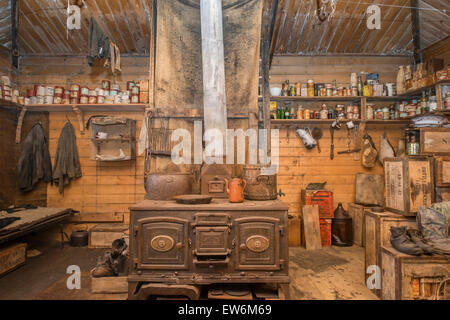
x: 403, y: 243
x: 101, y: 271
x: 417, y: 238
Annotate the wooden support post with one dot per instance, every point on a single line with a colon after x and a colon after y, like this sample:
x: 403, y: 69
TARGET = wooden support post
x: 267, y: 25
x: 415, y: 23
x: 14, y: 33
x: 213, y: 61
x: 19, y: 124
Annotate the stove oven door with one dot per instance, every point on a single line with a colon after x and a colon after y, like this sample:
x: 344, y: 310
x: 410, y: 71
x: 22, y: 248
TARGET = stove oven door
x: 162, y: 243
x: 258, y: 242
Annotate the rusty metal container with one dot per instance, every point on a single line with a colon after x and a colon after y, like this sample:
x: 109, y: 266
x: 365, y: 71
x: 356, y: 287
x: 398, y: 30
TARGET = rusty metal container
x: 259, y: 187
x: 162, y: 186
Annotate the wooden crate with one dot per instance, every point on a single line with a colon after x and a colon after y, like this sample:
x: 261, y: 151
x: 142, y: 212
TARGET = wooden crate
x: 408, y: 184
x: 12, y: 257
x: 323, y: 198
x: 369, y: 189
x: 434, y: 141
x: 109, y: 284
x: 442, y: 194
x: 407, y: 277
x: 325, y: 232
x: 378, y: 234
x: 442, y: 171
x: 102, y: 235
x: 357, y: 212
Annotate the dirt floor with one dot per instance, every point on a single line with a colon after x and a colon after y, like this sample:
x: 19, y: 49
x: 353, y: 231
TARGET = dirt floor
x: 331, y: 273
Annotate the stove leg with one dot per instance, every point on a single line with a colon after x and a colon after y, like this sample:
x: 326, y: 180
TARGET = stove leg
x: 285, y: 288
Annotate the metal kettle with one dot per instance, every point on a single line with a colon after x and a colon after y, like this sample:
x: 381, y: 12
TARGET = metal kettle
x: 235, y: 189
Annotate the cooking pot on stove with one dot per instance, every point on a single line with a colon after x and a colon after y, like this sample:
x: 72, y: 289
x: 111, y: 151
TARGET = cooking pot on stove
x: 259, y: 187
x: 165, y: 186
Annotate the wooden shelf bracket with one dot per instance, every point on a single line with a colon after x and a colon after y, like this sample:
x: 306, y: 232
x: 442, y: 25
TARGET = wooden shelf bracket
x: 80, y: 117
x: 19, y: 125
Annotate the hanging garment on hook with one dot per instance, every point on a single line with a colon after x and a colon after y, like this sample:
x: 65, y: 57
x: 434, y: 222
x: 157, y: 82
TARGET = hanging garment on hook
x: 67, y: 163
x: 34, y: 162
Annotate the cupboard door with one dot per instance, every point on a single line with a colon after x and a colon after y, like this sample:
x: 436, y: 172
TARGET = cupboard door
x: 162, y: 243
x: 258, y: 242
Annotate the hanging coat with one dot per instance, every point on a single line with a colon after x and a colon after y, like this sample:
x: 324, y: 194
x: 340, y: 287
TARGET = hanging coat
x: 34, y: 162
x: 67, y: 163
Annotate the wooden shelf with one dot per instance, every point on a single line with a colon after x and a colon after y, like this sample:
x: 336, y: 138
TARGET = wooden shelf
x: 87, y: 107
x: 389, y: 122
x: 300, y: 98
x: 307, y: 121
x: 289, y: 122
x: 419, y: 91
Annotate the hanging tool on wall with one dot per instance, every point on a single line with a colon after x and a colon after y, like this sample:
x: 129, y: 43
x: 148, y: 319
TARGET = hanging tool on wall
x: 334, y: 125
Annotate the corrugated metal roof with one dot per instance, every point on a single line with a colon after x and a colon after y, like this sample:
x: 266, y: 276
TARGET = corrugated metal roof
x: 297, y: 30
x: 5, y: 23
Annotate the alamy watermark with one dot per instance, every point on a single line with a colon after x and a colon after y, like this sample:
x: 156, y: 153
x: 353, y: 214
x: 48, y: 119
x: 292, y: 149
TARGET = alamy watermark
x: 219, y: 146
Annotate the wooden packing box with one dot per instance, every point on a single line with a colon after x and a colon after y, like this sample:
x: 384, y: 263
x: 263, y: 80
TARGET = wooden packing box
x: 369, y: 189
x: 378, y: 234
x: 434, y: 141
x: 323, y: 198
x: 109, y: 284
x: 442, y: 194
x: 325, y: 232
x: 442, y: 171
x: 407, y: 277
x: 357, y: 212
x: 102, y: 235
x: 408, y: 184
x: 12, y: 257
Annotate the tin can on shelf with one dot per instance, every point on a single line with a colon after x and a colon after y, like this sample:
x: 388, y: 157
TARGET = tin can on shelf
x: 74, y: 100
x: 74, y: 87
x: 92, y: 93
x: 84, y: 91
x: 65, y: 99
x: 84, y: 99
x: 30, y: 93
x: 75, y: 94
x: 33, y: 100
x: 48, y: 99
x: 130, y: 85
x: 57, y: 100
x: 113, y: 93
x: 106, y: 84
x: 135, y: 98
x: 100, y: 99
x: 59, y: 91
x: 92, y: 99
x: 21, y: 100
x: 40, y: 91
x: 115, y: 87
x: 27, y: 101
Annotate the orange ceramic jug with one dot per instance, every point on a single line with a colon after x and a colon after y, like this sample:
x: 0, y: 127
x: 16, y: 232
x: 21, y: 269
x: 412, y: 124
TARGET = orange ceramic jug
x: 235, y: 189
